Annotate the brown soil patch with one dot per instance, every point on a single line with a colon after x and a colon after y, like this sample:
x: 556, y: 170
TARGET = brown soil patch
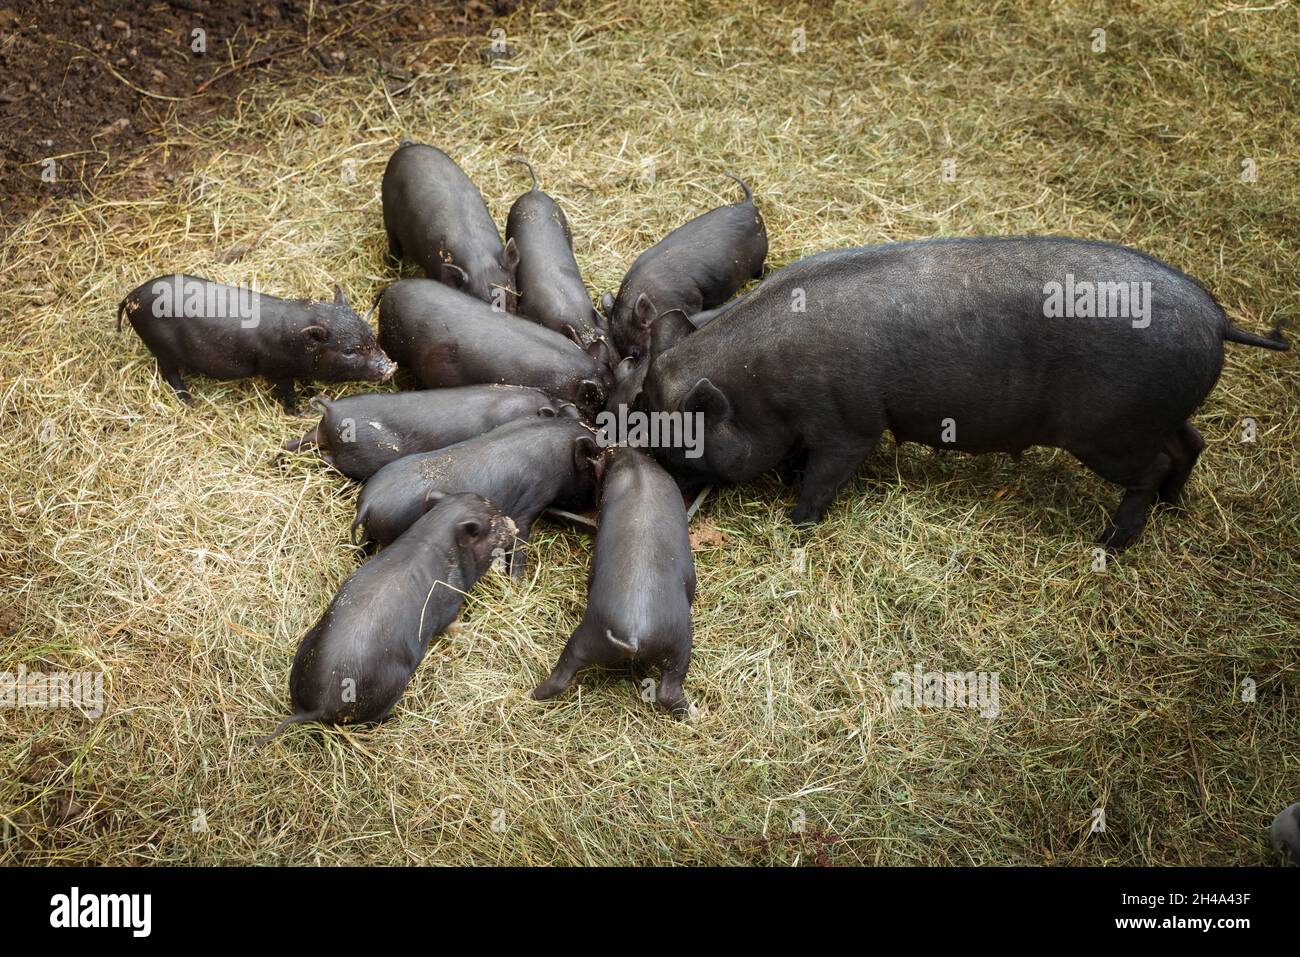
x: 89, y: 85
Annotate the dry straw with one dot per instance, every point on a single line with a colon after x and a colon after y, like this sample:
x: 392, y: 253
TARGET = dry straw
x: 178, y: 553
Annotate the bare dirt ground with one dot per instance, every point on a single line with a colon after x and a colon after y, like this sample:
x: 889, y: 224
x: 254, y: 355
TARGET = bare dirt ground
x: 87, y: 84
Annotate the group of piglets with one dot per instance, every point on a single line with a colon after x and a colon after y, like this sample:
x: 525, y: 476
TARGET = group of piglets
x: 984, y: 344
x: 511, y: 363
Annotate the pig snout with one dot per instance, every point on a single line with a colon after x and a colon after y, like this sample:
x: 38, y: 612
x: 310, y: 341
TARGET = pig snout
x: 380, y: 367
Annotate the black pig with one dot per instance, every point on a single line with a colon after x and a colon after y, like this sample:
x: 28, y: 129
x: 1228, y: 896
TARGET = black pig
x: 551, y: 290
x: 354, y: 664
x: 629, y: 375
x: 697, y: 266
x: 1284, y: 833
x: 641, y: 584
x: 522, y: 467
x: 227, y: 332
x: 961, y: 344
x: 446, y: 338
x: 361, y: 434
x: 436, y: 217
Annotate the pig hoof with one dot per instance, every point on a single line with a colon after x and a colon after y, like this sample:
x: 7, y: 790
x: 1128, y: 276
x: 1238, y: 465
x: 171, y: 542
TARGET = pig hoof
x: 1115, y: 539
x: 544, y: 691
x: 805, y: 516
x: 679, y: 708
x: 1171, y: 499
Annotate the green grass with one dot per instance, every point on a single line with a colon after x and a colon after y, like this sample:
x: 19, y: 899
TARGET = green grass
x: 177, y: 552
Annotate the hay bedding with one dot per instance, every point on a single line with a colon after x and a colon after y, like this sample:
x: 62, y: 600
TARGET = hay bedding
x: 175, y: 552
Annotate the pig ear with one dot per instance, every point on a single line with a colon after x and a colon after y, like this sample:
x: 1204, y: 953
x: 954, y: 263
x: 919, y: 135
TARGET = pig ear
x: 585, y: 451
x: 707, y: 398
x: 470, y: 530
x: 607, y: 304
x: 319, y: 333
x: 668, y: 330
x: 644, y: 310
x: 339, y: 300
x: 590, y: 392
x: 510, y: 255
x: 596, y: 349
x: 454, y: 276
x: 624, y: 369
x: 433, y: 497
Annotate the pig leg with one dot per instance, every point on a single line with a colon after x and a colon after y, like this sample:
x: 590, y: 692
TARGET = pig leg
x: 173, y: 377
x: 284, y: 391
x: 828, y: 467
x: 671, y: 695
x: 307, y: 441
x: 571, y: 662
x: 1140, y: 494
x: 394, y: 245
x: 1183, y: 448
x: 519, y: 554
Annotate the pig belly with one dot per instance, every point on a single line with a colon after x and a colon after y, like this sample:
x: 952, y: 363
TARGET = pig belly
x: 1132, y: 400
x: 216, y: 348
